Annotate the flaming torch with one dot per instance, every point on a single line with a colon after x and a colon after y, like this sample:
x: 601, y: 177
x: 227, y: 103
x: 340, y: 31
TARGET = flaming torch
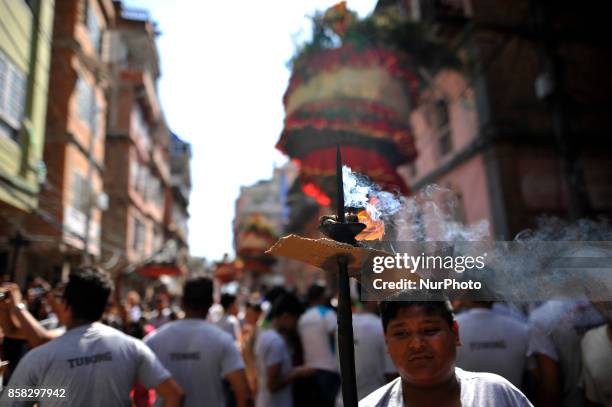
x: 341, y: 253
x: 344, y: 231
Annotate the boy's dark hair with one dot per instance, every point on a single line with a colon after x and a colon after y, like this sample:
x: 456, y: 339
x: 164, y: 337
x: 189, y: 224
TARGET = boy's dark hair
x: 274, y: 293
x: 227, y: 300
x: 315, y: 292
x: 198, y: 293
x: 286, y: 304
x: 254, y: 305
x: 87, y: 293
x: 390, y: 308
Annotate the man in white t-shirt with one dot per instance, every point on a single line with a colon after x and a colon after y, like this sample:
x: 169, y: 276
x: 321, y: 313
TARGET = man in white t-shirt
x: 275, y: 370
x: 317, y: 328
x: 94, y: 364
x: 422, y: 338
x: 199, y: 354
x: 229, y: 321
x: 491, y: 342
x: 161, y: 314
x: 555, y: 331
x: 596, y: 349
x: 373, y: 365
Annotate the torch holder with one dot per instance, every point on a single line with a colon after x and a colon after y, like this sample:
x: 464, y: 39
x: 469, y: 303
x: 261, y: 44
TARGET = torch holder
x: 343, y: 232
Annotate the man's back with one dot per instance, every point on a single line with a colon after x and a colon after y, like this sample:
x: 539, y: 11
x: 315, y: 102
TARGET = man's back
x: 230, y: 324
x: 555, y: 330
x: 96, y: 365
x: 492, y: 343
x: 316, y: 327
x: 597, y: 365
x: 271, y: 349
x: 199, y: 355
x: 372, y: 361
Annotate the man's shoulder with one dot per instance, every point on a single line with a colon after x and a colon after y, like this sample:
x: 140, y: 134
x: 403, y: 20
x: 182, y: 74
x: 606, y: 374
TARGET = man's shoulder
x: 495, y: 386
x: 189, y: 329
x: 369, y: 322
x: 595, y: 336
x: 269, y: 337
x: 381, y: 397
x: 480, y: 377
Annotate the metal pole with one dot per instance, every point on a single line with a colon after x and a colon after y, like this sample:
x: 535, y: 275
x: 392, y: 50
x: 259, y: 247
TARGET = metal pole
x: 345, y: 337
x: 346, y: 348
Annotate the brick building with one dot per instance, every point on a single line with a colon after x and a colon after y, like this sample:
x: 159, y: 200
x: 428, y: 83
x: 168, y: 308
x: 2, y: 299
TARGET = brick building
x: 72, y: 200
x: 137, y: 163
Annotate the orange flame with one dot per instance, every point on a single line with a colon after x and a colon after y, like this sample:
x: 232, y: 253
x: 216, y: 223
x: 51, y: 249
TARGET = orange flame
x: 375, y: 229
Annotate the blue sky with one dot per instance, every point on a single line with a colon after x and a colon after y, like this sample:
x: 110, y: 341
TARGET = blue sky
x: 223, y: 76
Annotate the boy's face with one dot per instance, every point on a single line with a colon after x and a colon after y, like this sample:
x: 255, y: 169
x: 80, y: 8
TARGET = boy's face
x: 422, y: 346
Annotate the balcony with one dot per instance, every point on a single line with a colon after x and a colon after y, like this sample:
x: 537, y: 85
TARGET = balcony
x: 143, y: 80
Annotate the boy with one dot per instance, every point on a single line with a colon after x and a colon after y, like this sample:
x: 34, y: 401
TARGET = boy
x: 422, y: 338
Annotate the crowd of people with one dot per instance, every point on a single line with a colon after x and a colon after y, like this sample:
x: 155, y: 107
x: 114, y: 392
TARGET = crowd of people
x: 275, y: 348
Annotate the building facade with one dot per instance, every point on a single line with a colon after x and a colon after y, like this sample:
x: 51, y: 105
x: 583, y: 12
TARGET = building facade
x: 137, y: 163
x: 65, y: 228
x: 177, y: 197
x: 25, y: 58
x: 25, y: 54
x: 520, y: 131
x: 261, y: 215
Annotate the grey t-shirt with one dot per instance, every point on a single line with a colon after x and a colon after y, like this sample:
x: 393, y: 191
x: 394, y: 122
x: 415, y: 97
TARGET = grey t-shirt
x: 199, y: 355
x: 477, y: 390
x: 270, y: 349
x: 97, y: 366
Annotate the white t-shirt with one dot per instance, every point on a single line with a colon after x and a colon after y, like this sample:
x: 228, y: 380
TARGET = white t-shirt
x: 555, y: 330
x: 597, y: 366
x: 492, y: 343
x: 229, y: 324
x: 270, y: 349
x: 199, y: 355
x: 158, y: 319
x: 372, y: 361
x: 477, y: 390
x: 96, y: 364
x: 316, y: 327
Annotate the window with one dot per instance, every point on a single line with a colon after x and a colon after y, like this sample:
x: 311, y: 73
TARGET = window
x: 134, y: 169
x: 87, y: 105
x: 458, y: 209
x: 91, y: 21
x: 155, y: 191
x: 140, y: 127
x: 81, y: 191
x: 445, y: 143
x: 139, y: 234
x: 142, y: 181
x: 438, y: 119
x: 412, y: 169
x: 13, y: 84
x: 159, y: 238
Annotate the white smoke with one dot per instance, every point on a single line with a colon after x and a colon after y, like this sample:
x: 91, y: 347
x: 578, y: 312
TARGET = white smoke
x: 429, y: 216
x: 360, y: 192
x: 433, y: 215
